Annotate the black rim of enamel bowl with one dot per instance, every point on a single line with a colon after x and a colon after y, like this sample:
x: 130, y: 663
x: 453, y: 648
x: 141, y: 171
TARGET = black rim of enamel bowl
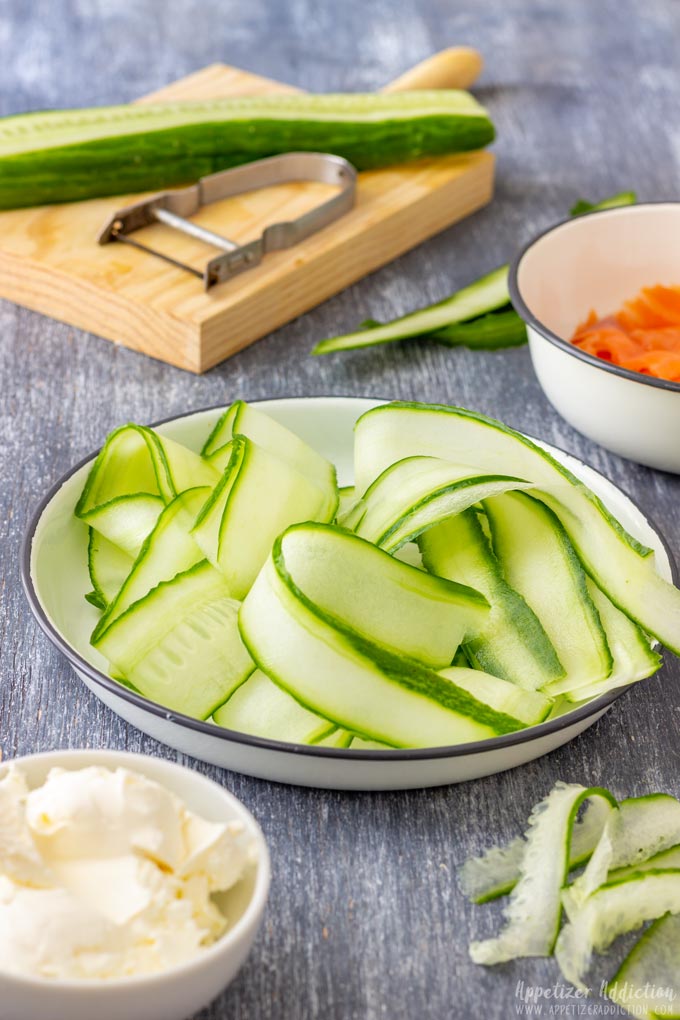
x: 523, y: 310
x: 81, y: 664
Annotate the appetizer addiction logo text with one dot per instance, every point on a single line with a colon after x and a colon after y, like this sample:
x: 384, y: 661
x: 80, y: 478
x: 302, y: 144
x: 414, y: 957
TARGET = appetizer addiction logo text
x: 567, y: 1001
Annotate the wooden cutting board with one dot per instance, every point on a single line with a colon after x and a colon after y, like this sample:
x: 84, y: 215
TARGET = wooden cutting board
x: 50, y: 261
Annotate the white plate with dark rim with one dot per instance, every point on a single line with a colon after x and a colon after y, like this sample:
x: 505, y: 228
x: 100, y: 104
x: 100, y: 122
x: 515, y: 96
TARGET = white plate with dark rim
x: 55, y: 577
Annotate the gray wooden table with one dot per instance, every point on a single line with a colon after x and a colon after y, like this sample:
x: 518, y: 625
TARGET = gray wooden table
x: 364, y: 919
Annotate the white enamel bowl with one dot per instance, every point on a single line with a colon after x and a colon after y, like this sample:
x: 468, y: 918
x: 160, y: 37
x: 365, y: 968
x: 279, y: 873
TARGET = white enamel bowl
x: 177, y: 993
x: 55, y: 577
x: 599, y: 261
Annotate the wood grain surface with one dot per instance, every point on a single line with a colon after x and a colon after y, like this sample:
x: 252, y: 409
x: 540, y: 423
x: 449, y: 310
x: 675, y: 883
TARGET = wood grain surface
x: 50, y: 261
x: 365, y: 921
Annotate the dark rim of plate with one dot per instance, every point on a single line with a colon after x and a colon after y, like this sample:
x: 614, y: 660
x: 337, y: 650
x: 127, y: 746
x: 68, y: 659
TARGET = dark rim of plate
x: 530, y: 319
x: 310, y: 750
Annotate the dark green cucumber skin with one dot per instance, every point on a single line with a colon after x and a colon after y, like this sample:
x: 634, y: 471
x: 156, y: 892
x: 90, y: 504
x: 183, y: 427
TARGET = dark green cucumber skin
x: 622, y: 198
x: 175, y: 156
x: 490, y: 332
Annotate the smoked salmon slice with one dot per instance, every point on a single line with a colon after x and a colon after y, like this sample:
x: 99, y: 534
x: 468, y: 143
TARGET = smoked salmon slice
x: 643, y: 336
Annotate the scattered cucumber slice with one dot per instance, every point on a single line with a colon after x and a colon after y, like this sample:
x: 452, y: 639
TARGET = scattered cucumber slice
x: 534, y: 909
x: 621, y: 198
x: 611, y: 910
x: 488, y: 323
x: 492, y: 332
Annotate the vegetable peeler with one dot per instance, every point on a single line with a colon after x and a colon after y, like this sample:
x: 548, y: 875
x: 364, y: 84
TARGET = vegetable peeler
x: 173, y: 207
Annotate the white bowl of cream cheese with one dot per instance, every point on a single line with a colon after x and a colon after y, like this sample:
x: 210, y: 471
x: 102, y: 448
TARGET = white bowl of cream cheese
x: 129, y: 887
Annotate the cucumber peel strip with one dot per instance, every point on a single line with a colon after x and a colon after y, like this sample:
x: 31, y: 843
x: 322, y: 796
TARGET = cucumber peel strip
x: 477, y: 316
x: 643, y: 827
x: 496, y: 872
x: 644, y: 835
x: 669, y: 858
x: 611, y: 910
x: 492, y: 331
x: 583, y: 206
x: 485, y: 295
x: 647, y: 983
x: 633, y: 876
x: 534, y: 909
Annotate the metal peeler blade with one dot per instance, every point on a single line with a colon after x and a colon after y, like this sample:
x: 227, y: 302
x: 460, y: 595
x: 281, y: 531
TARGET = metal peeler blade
x: 173, y: 208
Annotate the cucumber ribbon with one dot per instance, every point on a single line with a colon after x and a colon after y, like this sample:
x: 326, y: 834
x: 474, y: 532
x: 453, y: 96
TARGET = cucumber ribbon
x: 466, y: 587
x: 314, y: 622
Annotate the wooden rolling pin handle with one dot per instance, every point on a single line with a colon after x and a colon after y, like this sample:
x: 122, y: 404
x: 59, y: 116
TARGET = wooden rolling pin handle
x: 455, y: 68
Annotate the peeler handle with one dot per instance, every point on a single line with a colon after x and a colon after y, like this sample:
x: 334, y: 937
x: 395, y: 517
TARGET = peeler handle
x: 455, y: 68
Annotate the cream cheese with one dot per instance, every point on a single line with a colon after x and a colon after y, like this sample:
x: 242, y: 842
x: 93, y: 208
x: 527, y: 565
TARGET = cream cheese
x: 106, y: 874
